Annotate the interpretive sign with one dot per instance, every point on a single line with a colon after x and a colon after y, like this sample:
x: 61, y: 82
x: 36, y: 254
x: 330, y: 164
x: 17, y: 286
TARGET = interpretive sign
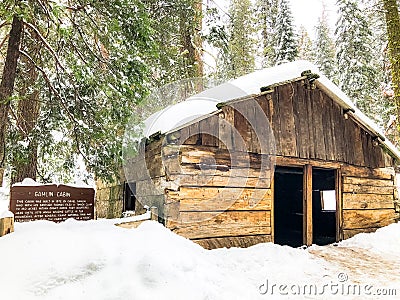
x: 51, y: 202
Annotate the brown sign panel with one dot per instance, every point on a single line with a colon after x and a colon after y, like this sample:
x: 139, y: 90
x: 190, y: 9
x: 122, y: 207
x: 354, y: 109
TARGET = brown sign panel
x: 51, y: 202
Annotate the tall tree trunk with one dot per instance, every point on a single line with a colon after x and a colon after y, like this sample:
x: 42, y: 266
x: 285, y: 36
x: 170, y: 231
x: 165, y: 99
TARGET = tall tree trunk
x: 27, y: 115
x: 197, y: 40
x: 393, y: 25
x: 27, y: 111
x: 7, y: 85
x: 190, y: 26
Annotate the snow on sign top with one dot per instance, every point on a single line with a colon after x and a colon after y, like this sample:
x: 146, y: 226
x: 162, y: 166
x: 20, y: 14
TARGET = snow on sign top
x: 6, y: 214
x: 31, y: 182
x: 204, y: 103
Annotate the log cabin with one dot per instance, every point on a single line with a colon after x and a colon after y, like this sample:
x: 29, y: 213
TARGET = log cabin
x: 279, y: 155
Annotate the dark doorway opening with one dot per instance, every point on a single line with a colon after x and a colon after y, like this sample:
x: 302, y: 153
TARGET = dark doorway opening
x: 324, y: 206
x: 129, y: 196
x: 288, y: 206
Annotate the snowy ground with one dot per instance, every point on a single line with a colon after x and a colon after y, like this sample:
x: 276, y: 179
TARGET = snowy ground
x: 97, y: 260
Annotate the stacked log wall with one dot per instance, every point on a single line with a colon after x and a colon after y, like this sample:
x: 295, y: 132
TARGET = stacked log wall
x: 146, y: 170
x: 224, y: 204
x: 368, y: 199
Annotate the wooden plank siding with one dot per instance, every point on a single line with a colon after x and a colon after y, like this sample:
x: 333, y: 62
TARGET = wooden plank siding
x: 288, y: 137
x: 301, y: 124
x: 368, y: 201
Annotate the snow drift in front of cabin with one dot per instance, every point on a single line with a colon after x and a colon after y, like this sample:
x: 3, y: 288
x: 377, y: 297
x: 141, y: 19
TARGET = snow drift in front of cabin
x: 98, y: 260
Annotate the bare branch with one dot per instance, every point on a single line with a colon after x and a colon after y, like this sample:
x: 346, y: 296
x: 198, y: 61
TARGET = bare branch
x: 49, y: 18
x: 79, y: 53
x: 73, y: 8
x: 4, y: 40
x: 90, y: 18
x: 18, y: 125
x: 76, y: 8
x: 5, y: 23
x: 88, y: 47
x: 46, y: 44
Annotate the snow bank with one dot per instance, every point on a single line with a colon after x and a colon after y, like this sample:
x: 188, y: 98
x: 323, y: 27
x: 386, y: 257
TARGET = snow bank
x: 142, y: 217
x: 385, y: 241
x: 97, y: 260
x: 4, y: 201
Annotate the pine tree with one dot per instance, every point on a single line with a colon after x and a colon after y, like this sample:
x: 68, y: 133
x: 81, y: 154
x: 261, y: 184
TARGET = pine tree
x: 216, y: 38
x: 375, y: 13
x: 393, y: 25
x: 286, y: 43
x: 266, y: 16
x: 306, y: 51
x: 241, y: 39
x: 325, y: 49
x: 177, y: 26
x: 357, y: 72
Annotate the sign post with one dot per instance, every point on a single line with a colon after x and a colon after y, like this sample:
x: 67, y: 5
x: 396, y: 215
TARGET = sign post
x: 51, y: 202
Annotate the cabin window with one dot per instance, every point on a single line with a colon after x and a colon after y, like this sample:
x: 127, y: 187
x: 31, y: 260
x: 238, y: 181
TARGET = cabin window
x: 328, y: 200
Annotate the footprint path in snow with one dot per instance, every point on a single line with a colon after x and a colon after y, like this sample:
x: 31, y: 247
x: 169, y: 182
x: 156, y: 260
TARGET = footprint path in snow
x: 361, y: 266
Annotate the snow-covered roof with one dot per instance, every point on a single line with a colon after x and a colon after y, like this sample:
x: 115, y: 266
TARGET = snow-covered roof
x: 205, y: 102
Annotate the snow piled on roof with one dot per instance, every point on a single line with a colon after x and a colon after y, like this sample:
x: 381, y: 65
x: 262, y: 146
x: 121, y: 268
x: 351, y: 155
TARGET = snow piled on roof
x: 97, y: 260
x: 176, y: 115
x: 205, y: 102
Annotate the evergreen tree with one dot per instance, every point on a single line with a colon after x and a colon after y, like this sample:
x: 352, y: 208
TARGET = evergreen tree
x: 286, y: 43
x: 374, y: 11
x: 241, y: 44
x: 305, y: 50
x: 216, y: 38
x: 357, y: 72
x: 325, y: 49
x: 79, y: 70
x: 177, y: 26
x: 393, y: 25
x: 266, y: 15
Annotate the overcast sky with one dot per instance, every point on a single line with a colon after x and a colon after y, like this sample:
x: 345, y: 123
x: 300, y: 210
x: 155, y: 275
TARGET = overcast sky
x: 305, y: 12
